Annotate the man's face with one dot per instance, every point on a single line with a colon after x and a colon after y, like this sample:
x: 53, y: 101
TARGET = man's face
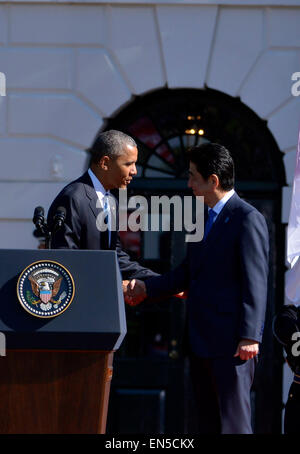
x: 199, y: 186
x: 122, y: 169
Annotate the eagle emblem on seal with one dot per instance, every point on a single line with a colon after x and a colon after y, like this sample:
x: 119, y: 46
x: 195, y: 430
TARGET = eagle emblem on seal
x: 45, y: 289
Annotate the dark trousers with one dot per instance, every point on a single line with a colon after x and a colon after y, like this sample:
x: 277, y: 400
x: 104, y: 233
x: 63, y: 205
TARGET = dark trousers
x: 222, y: 391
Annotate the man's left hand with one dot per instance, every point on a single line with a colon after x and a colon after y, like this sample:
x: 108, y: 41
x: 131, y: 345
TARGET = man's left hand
x: 247, y: 349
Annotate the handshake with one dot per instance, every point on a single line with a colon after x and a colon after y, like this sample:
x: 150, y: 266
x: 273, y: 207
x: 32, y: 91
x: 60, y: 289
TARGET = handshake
x: 135, y: 292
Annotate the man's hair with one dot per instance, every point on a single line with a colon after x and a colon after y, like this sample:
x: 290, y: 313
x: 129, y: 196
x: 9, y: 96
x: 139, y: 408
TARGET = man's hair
x: 212, y: 158
x: 110, y: 143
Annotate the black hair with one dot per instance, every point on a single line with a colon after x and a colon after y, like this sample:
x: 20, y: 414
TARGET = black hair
x: 213, y: 158
x: 110, y: 143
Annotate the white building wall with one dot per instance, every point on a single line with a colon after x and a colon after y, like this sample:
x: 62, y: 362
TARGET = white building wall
x: 69, y: 66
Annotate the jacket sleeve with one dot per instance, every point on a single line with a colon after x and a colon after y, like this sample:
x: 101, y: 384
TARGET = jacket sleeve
x: 129, y: 268
x: 170, y: 283
x: 254, y: 254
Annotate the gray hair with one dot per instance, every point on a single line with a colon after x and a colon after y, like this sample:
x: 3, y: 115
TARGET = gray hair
x: 110, y: 143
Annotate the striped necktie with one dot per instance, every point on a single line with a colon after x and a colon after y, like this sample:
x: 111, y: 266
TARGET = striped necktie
x: 107, y: 217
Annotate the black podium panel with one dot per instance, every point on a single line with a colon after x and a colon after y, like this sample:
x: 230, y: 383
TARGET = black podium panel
x: 95, y: 319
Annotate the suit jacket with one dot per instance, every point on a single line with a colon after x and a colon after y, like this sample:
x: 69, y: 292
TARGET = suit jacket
x: 80, y: 231
x: 226, y: 277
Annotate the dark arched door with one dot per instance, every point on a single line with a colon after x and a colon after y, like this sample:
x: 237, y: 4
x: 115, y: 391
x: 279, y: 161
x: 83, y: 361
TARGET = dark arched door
x: 150, y: 389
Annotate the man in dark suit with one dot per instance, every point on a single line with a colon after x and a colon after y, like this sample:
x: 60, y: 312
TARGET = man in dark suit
x: 113, y: 165
x: 225, y: 275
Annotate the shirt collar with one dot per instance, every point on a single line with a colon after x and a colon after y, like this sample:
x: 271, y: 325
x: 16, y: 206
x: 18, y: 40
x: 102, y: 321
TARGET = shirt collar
x: 221, y: 203
x: 99, y: 188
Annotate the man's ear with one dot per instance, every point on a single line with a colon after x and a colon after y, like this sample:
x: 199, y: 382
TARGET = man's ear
x: 104, y: 162
x: 214, y: 179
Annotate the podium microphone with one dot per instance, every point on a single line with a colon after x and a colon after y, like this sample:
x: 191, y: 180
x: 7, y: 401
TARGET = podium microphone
x: 59, y: 218
x: 39, y: 218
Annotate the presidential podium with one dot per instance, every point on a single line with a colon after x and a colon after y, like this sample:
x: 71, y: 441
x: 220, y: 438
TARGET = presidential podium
x: 62, y: 314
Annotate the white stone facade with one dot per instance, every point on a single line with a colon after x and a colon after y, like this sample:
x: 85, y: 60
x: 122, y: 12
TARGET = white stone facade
x: 69, y: 66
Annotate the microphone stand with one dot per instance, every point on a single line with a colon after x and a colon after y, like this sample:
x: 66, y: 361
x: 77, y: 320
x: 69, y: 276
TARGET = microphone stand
x: 59, y: 220
x: 42, y: 229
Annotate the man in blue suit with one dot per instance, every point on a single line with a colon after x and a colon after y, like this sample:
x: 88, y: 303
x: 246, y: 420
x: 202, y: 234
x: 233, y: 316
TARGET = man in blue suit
x: 225, y: 275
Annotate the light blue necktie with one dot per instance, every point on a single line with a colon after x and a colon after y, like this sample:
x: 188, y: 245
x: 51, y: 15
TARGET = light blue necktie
x: 210, y: 220
x: 107, y: 215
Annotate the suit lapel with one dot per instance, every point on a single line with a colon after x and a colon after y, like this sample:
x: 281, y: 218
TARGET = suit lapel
x: 220, y: 222
x: 91, y: 194
x: 216, y: 230
x: 96, y: 209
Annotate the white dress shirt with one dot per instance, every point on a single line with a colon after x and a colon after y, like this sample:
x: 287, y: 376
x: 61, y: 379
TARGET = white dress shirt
x: 99, y: 188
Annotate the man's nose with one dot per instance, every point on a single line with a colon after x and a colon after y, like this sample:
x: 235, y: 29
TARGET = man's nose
x: 133, y: 170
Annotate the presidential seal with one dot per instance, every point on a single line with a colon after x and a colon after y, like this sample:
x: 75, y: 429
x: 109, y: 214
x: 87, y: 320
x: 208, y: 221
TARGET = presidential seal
x: 45, y: 289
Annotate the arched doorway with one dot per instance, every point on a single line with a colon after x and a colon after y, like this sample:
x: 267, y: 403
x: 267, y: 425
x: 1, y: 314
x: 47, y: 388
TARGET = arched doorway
x: 150, y: 369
